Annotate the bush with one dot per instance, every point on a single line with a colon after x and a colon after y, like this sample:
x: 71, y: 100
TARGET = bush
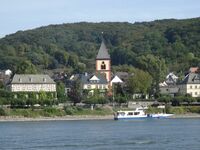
x: 177, y: 110
x: 50, y: 111
x: 193, y: 109
x: 69, y: 110
x: 165, y: 98
x: 2, y: 112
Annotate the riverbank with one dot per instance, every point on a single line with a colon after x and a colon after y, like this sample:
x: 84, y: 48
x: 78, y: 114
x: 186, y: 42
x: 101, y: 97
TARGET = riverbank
x: 67, y: 117
x: 82, y: 117
x: 188, y: 115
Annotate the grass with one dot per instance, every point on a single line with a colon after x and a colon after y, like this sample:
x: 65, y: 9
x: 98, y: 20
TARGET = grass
x: 34, y: 113
x: 87, y: 111
x: 71, y: 110
x: 176, y: 110
x: 54, y: 112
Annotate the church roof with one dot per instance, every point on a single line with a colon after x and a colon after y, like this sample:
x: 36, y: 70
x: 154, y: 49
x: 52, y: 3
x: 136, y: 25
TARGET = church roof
x: 103, y: 52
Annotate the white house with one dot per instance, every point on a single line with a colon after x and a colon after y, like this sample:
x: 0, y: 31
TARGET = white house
x: 191, y: 85
x: 32, y: 83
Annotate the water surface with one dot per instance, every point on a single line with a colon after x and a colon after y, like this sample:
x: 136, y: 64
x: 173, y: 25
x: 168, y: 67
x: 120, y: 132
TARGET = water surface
x: 155, y: 134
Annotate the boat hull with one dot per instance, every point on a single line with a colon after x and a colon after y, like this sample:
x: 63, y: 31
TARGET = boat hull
x: 143, y: 117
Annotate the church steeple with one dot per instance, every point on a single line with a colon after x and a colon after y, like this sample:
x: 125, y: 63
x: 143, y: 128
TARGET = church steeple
x: 103, y: 63
x: 103, y: 52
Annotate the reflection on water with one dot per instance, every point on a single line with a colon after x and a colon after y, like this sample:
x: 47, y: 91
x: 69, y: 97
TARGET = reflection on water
x: 165, y: 134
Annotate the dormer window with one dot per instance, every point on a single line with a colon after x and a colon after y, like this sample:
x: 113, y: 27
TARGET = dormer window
x: 20, y: 80
x: 44, y: 80
x: 103, y: 65
x: 30, y: 79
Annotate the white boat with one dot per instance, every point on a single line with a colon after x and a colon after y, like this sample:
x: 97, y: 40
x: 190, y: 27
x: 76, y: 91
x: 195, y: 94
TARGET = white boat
x: 138, y: 114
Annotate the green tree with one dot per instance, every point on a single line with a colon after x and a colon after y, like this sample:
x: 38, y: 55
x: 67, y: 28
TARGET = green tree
x: 60, y: 88
x: 26, y: 67
x: 75, y: 94
x: 140, y: 82
x: 73, y: 60
x: 61, y: 57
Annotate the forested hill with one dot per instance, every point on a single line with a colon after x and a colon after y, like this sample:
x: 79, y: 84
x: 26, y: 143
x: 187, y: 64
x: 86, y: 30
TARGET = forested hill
x: 169, y: 45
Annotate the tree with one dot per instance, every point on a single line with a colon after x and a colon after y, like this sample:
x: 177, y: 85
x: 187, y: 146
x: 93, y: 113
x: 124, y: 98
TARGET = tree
x: 61, y: 57
x: 140, y: 82
x: 75, y: 93
x: 26, y: 67
x: 96, y: 98
x: 60, y: 88
x: 73, y: 60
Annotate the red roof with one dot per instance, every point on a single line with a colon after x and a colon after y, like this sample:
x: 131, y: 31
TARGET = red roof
x: 193, y: 69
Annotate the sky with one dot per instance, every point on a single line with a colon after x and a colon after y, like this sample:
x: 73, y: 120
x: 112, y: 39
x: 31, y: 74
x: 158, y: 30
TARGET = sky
x: 22, y: 15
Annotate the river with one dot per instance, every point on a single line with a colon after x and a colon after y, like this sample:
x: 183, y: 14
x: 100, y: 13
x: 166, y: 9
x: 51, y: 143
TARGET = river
x: 149, y: 134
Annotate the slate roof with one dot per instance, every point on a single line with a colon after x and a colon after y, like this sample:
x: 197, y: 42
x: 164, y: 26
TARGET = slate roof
x: 31, y: 79
x: 86, y: 79
x: 191, y: 78
x: 103, y: 52
x: 169, y: 89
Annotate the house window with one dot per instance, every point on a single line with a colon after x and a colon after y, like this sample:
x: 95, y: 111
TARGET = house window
x: 195, y: 86
x: 103, y: 65
x: 195, y: 93
x: 191, y: 86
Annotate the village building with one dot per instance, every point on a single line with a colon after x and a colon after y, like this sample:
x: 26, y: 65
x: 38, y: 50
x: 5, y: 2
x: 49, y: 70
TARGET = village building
x: 191, y: 85
x: 102, y: 78
x: 169, y: 86
x: 32, y: 83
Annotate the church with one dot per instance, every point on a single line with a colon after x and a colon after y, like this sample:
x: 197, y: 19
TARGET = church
x: 102, y: 79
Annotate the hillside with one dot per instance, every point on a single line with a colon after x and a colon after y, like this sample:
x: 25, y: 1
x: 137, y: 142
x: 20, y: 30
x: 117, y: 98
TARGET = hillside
x: 158, y: 46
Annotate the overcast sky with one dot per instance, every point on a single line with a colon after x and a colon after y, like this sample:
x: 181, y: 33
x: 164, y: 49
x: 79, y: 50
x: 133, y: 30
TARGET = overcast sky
x: 18, y: 15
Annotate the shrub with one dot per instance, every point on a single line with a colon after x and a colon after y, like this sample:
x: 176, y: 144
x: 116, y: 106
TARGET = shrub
x: 50, y: 111
x: 69, y: 110
x: 2, y: 112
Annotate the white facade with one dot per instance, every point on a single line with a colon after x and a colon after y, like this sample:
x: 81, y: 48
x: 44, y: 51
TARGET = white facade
x: 192, y: 89
x: 95, y: 86
x: 32, y: 83
x: 33, y: 87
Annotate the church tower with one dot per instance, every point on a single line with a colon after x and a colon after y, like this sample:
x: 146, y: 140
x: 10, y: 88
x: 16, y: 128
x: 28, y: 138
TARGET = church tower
x: 103, y: 62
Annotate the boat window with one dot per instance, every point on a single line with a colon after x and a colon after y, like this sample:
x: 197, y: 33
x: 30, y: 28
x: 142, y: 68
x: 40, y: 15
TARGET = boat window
x: 130, y: 113
x: 136, y: 113
x: 121, y: 113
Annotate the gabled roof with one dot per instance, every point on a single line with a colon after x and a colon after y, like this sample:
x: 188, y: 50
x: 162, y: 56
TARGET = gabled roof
x: 116, y: 79
x: 94, y: 77
x: 192, y: 78
x: 31, y: 79
x: 103, y: 52
x: 85, y: 79
x: 171, y: 75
